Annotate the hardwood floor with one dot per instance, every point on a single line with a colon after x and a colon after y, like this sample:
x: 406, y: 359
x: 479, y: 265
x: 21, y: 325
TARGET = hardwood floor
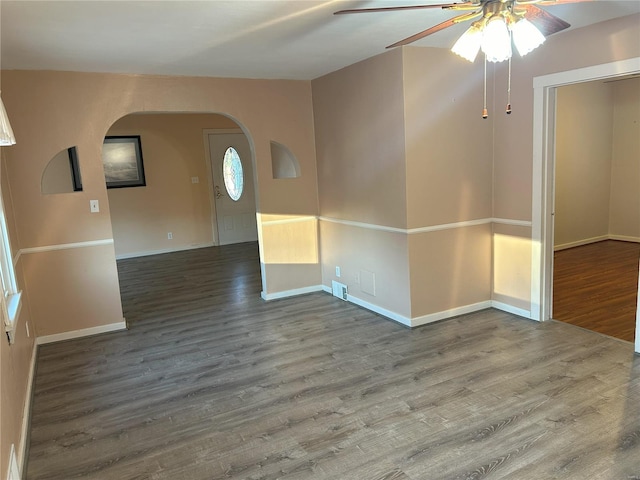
x: 595, y: 286
x: 211, y: 382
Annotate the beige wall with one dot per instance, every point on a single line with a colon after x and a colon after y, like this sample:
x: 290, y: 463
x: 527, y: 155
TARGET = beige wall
x: 624, y: 215
x: 359, y: 127
x: 597, y: 162
x: 80, y: 109
x: 360, y: 144
x: 584, y: 133
x: 16, y: 359
x: 449, y: 167
x: 365, y: 156
x: 173, y: 152
x: 390, y: 159
x: 601, y: 43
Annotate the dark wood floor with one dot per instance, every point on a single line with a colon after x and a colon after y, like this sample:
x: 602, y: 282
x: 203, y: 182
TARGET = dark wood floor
x: 595, y: 286
x: 211, y: 382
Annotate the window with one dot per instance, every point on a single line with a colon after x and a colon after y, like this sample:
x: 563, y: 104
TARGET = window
x: 233, y: 174
x: 11, y: 296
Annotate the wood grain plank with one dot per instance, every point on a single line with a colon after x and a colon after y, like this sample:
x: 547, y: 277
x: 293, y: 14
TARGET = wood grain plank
x: 211, y: 382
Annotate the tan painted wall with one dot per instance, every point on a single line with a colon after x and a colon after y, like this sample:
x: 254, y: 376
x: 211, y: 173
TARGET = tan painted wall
x: 450, y: 269
x: 360, y: 145
x: 597, y: 162
x: 359, y: 126
x: 51, y: 110
x: 449, y: 167
x: 15, y: 360
x: 173, y: 152
x: 448, y: 144
x: 513, y: 146
x: 624, y: 216
x: 584, y: 133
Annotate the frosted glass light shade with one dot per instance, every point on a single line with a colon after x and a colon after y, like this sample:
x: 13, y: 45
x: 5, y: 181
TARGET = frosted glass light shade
x: 526, y: 36
x: 6, y: 133
x: 496, y: 40
x: 468, y: 45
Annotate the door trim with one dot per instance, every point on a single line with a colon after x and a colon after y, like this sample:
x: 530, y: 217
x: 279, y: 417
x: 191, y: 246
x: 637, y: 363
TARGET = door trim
x: 544, y: 94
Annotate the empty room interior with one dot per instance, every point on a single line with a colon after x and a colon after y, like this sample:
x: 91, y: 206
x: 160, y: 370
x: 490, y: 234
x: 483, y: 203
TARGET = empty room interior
x: 246, y: 240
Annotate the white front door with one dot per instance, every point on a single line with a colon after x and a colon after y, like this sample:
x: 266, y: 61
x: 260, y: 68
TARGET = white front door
x: 233, y: 189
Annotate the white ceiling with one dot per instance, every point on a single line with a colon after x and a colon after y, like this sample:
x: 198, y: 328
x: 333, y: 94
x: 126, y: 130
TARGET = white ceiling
x: 293, y: 39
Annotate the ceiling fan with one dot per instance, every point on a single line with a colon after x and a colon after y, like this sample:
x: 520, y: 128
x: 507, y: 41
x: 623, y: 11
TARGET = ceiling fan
x: 496, y: 23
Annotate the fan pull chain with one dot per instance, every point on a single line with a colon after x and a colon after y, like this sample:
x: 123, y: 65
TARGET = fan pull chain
x: 485, y: 114
x: 509, y: 90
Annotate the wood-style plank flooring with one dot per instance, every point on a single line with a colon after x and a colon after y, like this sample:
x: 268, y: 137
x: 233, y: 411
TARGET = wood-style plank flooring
x: 211, y: 382
x: 595, y: 286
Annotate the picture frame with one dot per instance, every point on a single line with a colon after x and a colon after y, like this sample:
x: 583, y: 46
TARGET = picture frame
x: 76, y: 179
x: 122, y: 161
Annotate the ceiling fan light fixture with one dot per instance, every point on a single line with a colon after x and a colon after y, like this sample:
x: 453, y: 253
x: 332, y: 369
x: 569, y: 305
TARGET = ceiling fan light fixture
x: 496, y: 40
x: 526, y: 36
x: 468, y: 45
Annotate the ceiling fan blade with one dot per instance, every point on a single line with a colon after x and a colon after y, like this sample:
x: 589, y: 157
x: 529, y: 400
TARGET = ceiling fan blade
x: 408, y: 7
x: 437, y: 28
x: 545, y: 22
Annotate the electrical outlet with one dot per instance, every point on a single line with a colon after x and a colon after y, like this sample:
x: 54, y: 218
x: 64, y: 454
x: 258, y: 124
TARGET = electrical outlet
x: 169, y: 236
x: 195, y: 180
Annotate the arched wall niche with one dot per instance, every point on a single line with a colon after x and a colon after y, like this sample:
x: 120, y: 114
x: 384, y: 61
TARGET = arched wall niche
x: 62, y: 173
x: 283, y: 163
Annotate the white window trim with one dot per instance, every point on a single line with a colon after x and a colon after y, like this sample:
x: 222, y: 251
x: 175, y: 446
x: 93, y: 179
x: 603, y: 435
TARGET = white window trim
x: 11, y: 298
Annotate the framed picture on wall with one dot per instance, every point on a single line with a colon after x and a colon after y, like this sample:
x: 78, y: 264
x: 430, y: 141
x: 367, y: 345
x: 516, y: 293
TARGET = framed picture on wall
x: 122, y: 161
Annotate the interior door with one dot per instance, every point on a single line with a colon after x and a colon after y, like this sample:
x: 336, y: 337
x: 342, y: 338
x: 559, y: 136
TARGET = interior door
x: 233, y: 189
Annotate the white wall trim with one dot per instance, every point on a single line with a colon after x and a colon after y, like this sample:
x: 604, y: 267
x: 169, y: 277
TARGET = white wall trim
x: 508, y: 221
x: 306, y: 218
x: 544, y: 94
x: 454, y: 312
x: 290, y: 293
x: 624, y: 238
x: 26, y: 414
x: 85, y: 332
x: 449, y: 226
x: 431, y: 228
x: 579, y: 243
x: 521, y: 312
x: 165, y: 250
x: 65, y: 246
x: 415, y: 321
x: 368, y: 226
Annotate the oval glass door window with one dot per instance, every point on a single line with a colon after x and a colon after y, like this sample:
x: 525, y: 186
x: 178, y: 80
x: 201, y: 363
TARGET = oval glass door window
x: 233, y: 174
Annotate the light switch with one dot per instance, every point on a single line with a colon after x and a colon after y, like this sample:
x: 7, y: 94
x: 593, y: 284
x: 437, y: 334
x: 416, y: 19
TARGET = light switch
x: 95, y: 206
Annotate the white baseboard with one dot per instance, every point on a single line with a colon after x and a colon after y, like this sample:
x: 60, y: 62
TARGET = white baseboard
x: 85, y: 332
x: 165, y: 250
x: 521, y: 312
x: 587, y: 241
x: 290, y: 293
x: 579, y: 243
x: 396, y: 317
x: 624, y: 238
x: 453, y: 312
x: 26, y: 414
x: 417, y: 321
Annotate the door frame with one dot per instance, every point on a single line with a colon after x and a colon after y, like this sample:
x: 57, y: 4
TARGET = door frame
x: 207, y: 153
x: 544, y: 112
